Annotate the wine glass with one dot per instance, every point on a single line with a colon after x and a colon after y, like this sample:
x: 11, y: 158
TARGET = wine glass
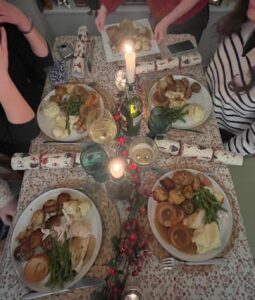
x: 101, y: 126
x: 143, y: 151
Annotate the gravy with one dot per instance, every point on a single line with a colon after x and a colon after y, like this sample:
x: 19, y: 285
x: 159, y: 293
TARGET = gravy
x: 163, y: 231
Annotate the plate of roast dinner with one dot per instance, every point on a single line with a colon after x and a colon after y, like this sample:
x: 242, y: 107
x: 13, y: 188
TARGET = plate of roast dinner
x: 178, y: 91
x: 62, y: 114
x: 137, y: 32
x: 190, y: 215
x: 56, y: 240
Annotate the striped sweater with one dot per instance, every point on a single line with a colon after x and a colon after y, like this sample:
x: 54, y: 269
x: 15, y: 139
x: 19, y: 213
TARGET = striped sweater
x: 235, y: 112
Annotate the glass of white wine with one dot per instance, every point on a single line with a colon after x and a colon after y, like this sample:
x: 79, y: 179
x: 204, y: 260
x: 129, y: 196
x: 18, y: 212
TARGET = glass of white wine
x: 101, y: 126
x: 143, y: 151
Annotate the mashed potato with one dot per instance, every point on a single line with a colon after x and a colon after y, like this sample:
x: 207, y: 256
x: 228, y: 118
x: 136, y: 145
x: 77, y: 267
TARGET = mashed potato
x: 76, y: 208
x: 51, y: 109
x: 59, y: 130
x: 196, y: 112
x: 207, y: 238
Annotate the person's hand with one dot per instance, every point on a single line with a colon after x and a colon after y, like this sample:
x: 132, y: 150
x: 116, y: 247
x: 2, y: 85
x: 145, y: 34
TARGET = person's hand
x: 100, y: 19
x: 3, y: 54
x: 8, y: 212
x: 161, y: 31
x: 12, y: 15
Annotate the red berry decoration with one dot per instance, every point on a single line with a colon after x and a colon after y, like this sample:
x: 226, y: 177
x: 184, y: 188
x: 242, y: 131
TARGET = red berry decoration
x: 117, y: 117
x: 133, y: 237
x: 142, y: 210
x: 133, y: 166
x: 121, y: 140
x: 112, y: 272
x: 125, y: 153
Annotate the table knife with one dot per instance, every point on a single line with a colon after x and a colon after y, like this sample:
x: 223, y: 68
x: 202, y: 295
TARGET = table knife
x: 179, y: 131
x: 82, y: 283
x: 64, y: 143
x: 90, y: 57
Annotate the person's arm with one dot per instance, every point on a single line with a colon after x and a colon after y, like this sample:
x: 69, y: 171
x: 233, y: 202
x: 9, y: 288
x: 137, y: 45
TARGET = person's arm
x: 243, y: 143
x: 8, y: 205
x: 107, y: 7
x: 16, y: 108
x: 12, y: 15
x: 181, y: 9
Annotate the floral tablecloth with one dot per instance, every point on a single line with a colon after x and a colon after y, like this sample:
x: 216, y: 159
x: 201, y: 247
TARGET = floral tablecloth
x: 236, y: 280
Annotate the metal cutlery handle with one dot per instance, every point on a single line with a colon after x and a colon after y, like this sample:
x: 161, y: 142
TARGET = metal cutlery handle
x: 215, y: 261
x: 62, y: 143
x: 82, y: 283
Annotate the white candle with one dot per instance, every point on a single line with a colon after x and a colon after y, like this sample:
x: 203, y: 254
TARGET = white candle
x: 130, y: 63
x: 117, y: 168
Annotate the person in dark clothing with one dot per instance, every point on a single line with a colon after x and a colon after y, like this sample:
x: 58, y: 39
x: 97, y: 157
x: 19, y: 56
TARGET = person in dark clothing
x: 167, y: 16
x: 24, y: 56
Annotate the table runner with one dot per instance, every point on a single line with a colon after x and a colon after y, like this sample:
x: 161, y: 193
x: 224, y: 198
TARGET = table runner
x: 233, y: 281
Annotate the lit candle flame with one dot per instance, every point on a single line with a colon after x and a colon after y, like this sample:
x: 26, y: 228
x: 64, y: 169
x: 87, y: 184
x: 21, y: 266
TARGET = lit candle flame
x: 128, y: 49
x: 117, y: 168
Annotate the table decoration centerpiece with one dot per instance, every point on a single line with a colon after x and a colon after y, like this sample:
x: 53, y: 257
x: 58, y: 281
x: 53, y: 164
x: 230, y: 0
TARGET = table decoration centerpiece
x: 130, y: 247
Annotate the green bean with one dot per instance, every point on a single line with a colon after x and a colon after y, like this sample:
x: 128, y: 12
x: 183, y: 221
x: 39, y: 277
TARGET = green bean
x: 203, y: 198
x: 60, y: 264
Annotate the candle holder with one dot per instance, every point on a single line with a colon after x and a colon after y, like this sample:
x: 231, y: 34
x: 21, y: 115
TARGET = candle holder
x: 143, y: 151
x: 132, y: 292
x: 117, y: 168
x: 120, y: 80
x: 119, y: 187
x: 119, y: 190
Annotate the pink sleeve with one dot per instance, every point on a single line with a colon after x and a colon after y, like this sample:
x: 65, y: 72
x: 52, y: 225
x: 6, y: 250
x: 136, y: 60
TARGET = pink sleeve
x: 111, y: 5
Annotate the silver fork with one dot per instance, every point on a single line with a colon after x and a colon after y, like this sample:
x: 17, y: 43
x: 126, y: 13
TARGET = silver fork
x: 170, y: 263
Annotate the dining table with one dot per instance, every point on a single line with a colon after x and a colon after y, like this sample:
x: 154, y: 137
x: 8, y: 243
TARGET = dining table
x: 235, y: 280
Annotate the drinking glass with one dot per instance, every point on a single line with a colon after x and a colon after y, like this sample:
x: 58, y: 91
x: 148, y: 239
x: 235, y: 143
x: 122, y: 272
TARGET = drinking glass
x: 94, y: 160
x: 101, y: 126
x: 143, y: 151
x: 159, y: 121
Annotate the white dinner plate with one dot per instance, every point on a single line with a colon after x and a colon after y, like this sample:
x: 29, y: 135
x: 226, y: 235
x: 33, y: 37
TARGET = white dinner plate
x: 111, y: 56
x: 202, y: 98
x: 46, y: 124
x: 225, y: 222
x: 24, y: 220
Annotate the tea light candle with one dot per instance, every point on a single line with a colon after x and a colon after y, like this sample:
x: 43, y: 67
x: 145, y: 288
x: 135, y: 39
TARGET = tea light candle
x: 130, y: 63
x: 117, y: 168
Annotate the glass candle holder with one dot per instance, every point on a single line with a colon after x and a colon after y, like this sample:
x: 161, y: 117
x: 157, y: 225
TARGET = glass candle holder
x: 121, y: 189
x: 132, y: 293
x: 143, y: 151
x: 117, y: 168
x: 120, y: 80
